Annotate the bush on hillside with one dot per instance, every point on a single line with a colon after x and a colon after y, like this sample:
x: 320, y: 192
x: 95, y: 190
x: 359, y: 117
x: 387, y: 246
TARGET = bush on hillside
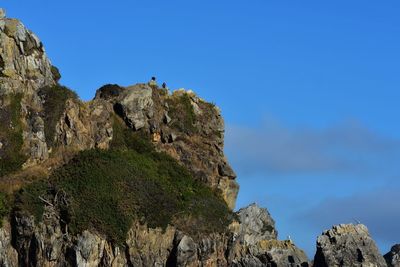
x: 181, y: 110
x: 108, y: 190
x: 55, y: 98
x: 11, y: 157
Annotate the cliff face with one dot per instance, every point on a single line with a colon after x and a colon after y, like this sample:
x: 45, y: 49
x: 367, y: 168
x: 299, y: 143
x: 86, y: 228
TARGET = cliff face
x: 135, y: 177
x: 183, y: 125
x: 347, y: 245
x: 393, y: 256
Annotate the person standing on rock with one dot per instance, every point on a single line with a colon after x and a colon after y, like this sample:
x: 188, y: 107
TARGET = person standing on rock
x: 164, y: 86
x: 153, y: 81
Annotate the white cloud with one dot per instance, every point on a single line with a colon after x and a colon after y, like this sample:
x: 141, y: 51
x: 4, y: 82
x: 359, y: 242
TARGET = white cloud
x: 273, y: 148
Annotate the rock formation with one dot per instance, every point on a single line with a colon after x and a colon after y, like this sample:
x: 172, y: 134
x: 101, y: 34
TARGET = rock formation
x: 347, y: 245
x: 45, y: 128
x: 393, y: 256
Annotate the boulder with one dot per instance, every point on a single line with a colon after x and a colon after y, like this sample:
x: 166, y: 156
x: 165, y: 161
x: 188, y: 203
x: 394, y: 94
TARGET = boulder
x: 256, y: 224
x: 136, y: 105
x: 347, y: 245
x: 393, y: 256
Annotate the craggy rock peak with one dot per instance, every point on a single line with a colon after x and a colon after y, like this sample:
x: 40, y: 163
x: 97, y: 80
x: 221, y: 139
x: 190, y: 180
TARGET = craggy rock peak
x: 393, y: 256
x: 24, y: 68
x: 182, y: 125
x: 347, y: 245
x: 257, y: 224
x: 256, y: 242
x: 44, y: 125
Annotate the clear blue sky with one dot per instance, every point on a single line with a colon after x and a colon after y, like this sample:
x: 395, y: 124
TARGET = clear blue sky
x: 309, y: 91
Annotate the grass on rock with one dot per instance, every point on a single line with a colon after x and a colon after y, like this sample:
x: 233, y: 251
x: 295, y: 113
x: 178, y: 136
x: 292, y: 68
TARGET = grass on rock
x: 182, y: 113
x: 107, y: 190
x: 55, y: 98
x: 11, y: 158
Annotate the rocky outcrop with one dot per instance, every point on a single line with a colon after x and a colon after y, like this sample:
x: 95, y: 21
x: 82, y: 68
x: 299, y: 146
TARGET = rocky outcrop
x: 272, y: 253
x: 24, y: 68
x: 182, y: 125
x: 8, y: 255
x: 255, y: 242
x: 85, y: 125
x: 347, y: 245
x: 393, y: 256
x: 48, y: 243
x: 256, y: 225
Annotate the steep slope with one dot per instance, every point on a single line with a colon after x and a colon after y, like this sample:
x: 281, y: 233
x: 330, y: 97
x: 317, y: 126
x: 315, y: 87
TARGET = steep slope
x: 135, y: 177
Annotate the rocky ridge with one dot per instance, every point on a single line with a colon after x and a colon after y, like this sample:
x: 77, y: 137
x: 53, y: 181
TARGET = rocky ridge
x: 347, y: 245
x: 180, y: 124
x: 393, y: 256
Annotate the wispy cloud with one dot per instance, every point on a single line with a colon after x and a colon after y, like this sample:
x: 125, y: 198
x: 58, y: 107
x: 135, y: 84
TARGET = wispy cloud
x: 378, y: 209
x: 273, y: 148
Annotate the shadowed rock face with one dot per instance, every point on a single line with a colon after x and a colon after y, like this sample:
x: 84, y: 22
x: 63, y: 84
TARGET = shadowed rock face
x: 27, y: 243
x: 347, y: 245
x: 180, y: 124
x: 393, y: 256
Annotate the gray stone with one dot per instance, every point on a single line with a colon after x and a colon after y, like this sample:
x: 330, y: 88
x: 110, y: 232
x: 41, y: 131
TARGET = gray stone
x: 89, y: 249
x: 186, y: 251
x: 8, y: 255
x: 393, y: 256
x: 172, y: 137
x: 256, y: 224
x: 347, y: 245
x: 136, y: 103
x: 225, y: 170
x: 167, y: 119
x: 2, y: 13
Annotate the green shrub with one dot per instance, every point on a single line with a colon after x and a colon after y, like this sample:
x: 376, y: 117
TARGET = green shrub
x: 4, y: 206
x: 108, y: 189
x: 182, y: 113
x: 55, y: 98
x: 109, y: 90
x: 56, y: 73
x: 11, y: 158
x: 28, y: 199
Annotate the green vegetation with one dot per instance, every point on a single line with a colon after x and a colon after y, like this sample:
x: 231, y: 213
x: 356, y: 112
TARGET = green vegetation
x: 107, y: 190
x: 109, y: 90
x: 27, y: 199
x: 4, y: 207
x: 181, y: 110
x: 55, y: 98
x: 56, y: 73
x: 11, y: 158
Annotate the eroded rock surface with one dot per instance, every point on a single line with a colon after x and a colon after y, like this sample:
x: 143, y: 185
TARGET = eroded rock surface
x: 182, y: 125
x: 393, y: 256
x: 347, y: 245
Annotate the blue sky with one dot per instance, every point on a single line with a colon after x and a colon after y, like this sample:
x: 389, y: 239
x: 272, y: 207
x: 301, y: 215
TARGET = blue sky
x: 309, y: 91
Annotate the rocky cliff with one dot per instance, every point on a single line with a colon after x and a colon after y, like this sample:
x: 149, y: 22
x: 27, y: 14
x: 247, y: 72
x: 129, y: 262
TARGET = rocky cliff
x: 135, y: 177
x: 393, y: 256
x: 347, y: 245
